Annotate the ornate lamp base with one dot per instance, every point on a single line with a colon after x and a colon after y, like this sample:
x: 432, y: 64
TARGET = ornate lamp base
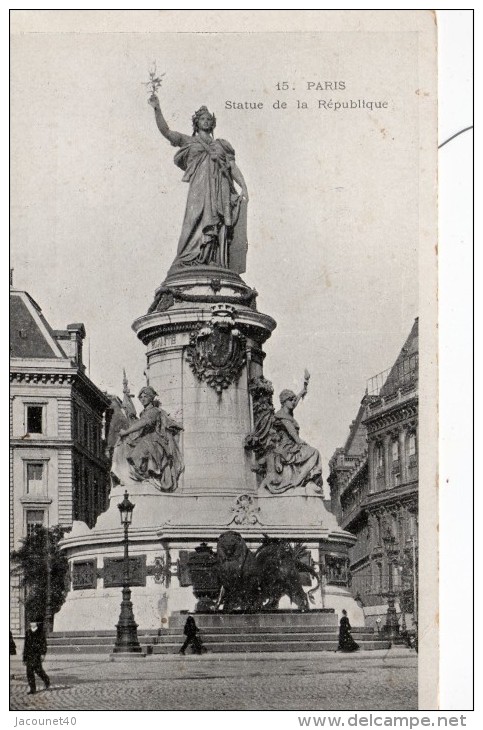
x: 391, y: 629
x: 127, y: 641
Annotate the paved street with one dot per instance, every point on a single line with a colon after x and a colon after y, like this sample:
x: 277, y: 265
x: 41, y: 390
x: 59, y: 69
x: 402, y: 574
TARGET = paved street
x: 378, y: 680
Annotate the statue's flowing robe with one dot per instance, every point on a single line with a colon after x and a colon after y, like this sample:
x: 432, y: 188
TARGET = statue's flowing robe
x: 214, y: 225
x: 299, y: 463
x: 118, y: 422
x: 153, y: 452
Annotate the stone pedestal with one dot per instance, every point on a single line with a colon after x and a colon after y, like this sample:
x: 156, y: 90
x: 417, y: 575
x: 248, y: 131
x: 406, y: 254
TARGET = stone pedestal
x: 204, y: 339
x: 215, y: 421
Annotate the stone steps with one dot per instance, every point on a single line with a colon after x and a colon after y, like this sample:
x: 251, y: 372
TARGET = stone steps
x: 220, y: 647
x: 246, y: 630
x: 218, y: 639
x: 275, y: 634
x: 285, y: 646
x: 267, y: 641
x: 315, y: 618
x: 209, y: 637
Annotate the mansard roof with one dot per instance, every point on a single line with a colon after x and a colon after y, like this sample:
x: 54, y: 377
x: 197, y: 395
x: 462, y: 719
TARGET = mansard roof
x: 30, y: 334
x: 405, y: 369
x: 356, y: 441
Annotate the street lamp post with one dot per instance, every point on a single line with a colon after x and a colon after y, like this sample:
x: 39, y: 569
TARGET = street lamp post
x: 412, y: 545
x: 402, y: 597
x: 49, y: 618
x: 391, y: 628
x: 127, y: 637
x: 415, y: 579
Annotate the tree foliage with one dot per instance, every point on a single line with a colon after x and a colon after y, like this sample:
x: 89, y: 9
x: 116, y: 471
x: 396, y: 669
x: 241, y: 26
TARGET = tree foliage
x: 43, y: 569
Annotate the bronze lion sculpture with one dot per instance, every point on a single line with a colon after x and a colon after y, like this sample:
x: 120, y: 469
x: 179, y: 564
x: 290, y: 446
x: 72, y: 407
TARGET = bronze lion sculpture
x: 257, y: 581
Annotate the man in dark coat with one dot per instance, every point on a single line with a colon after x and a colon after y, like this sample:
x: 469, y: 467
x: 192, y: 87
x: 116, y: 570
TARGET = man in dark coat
x: 34, y: 650
x: 13, y: 648
x: 191, y: 632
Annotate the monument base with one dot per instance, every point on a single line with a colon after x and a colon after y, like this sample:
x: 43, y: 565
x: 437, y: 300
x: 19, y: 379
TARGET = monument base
x: 167, y: 529
x: 204, y: 338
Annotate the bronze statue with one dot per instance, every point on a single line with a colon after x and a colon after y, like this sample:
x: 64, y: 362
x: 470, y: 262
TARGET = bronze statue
x: 284, y: 460
x: 257, y: 581
x: 214, y: 226
x: 148, y: 449
x: 280, y: 565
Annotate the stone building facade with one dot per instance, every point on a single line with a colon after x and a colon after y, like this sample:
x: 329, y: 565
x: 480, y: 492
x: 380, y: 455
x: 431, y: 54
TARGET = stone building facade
x: 58, y: 469
x: 374, y: 486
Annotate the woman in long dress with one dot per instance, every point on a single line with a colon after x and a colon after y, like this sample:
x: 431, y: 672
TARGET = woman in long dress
x: 346, y: 642
x: 293, y: 463
x: 150, y: 445
x: 214, y: 226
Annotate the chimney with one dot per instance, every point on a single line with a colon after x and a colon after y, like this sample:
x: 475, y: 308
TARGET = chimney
x: 72, y: 345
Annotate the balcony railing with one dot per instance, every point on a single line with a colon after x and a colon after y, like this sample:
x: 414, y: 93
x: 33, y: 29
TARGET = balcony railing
x: 403, y: 373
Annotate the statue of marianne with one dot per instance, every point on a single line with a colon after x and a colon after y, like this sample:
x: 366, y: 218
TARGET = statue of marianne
x: 214, y: 226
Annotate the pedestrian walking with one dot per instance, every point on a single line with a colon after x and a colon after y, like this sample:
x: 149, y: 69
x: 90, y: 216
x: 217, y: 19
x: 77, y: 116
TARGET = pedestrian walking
x: 34, y: 650
x: 13, y: 648
x: 346, y: 642
x: 191, y: 631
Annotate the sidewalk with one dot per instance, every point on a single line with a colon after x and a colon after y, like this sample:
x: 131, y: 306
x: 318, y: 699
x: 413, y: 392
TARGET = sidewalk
x: 395, y: 651
x: 231, y: 681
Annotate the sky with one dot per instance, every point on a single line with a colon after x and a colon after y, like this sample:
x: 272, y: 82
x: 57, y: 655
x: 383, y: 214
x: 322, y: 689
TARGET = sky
x: 333, y: 217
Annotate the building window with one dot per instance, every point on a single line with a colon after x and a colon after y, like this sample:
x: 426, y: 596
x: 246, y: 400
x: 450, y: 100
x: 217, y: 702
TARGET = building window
x: 396, y: 466
x: 377, y: 526
x: 412, y: 444
x: 77, y: 492
x: 374, y: 578
x: 380, y: 577
x: 379, y: 456
x: 412, y: 525
x: 35, y: 419
x: 97, y: 436
x: 35, y: 478
x: 75, y: 421
x: 34, y: 519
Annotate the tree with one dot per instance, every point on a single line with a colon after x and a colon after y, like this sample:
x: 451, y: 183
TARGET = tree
x: 43, y: 569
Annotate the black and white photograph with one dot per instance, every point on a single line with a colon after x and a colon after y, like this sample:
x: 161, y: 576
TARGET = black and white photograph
x: 223, y: 361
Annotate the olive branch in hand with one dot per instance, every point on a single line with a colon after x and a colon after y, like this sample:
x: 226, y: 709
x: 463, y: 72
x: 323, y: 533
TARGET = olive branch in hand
x: 154, y: 81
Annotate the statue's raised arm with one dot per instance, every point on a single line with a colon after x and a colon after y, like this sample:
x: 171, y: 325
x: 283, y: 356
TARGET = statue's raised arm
x: 171, y: 136
x: 300, y: 396
x: 283, y: 460
x: 214, y: 225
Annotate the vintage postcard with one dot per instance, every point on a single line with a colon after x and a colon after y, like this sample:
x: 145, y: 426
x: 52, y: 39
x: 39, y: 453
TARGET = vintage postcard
x: 223, y: 361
